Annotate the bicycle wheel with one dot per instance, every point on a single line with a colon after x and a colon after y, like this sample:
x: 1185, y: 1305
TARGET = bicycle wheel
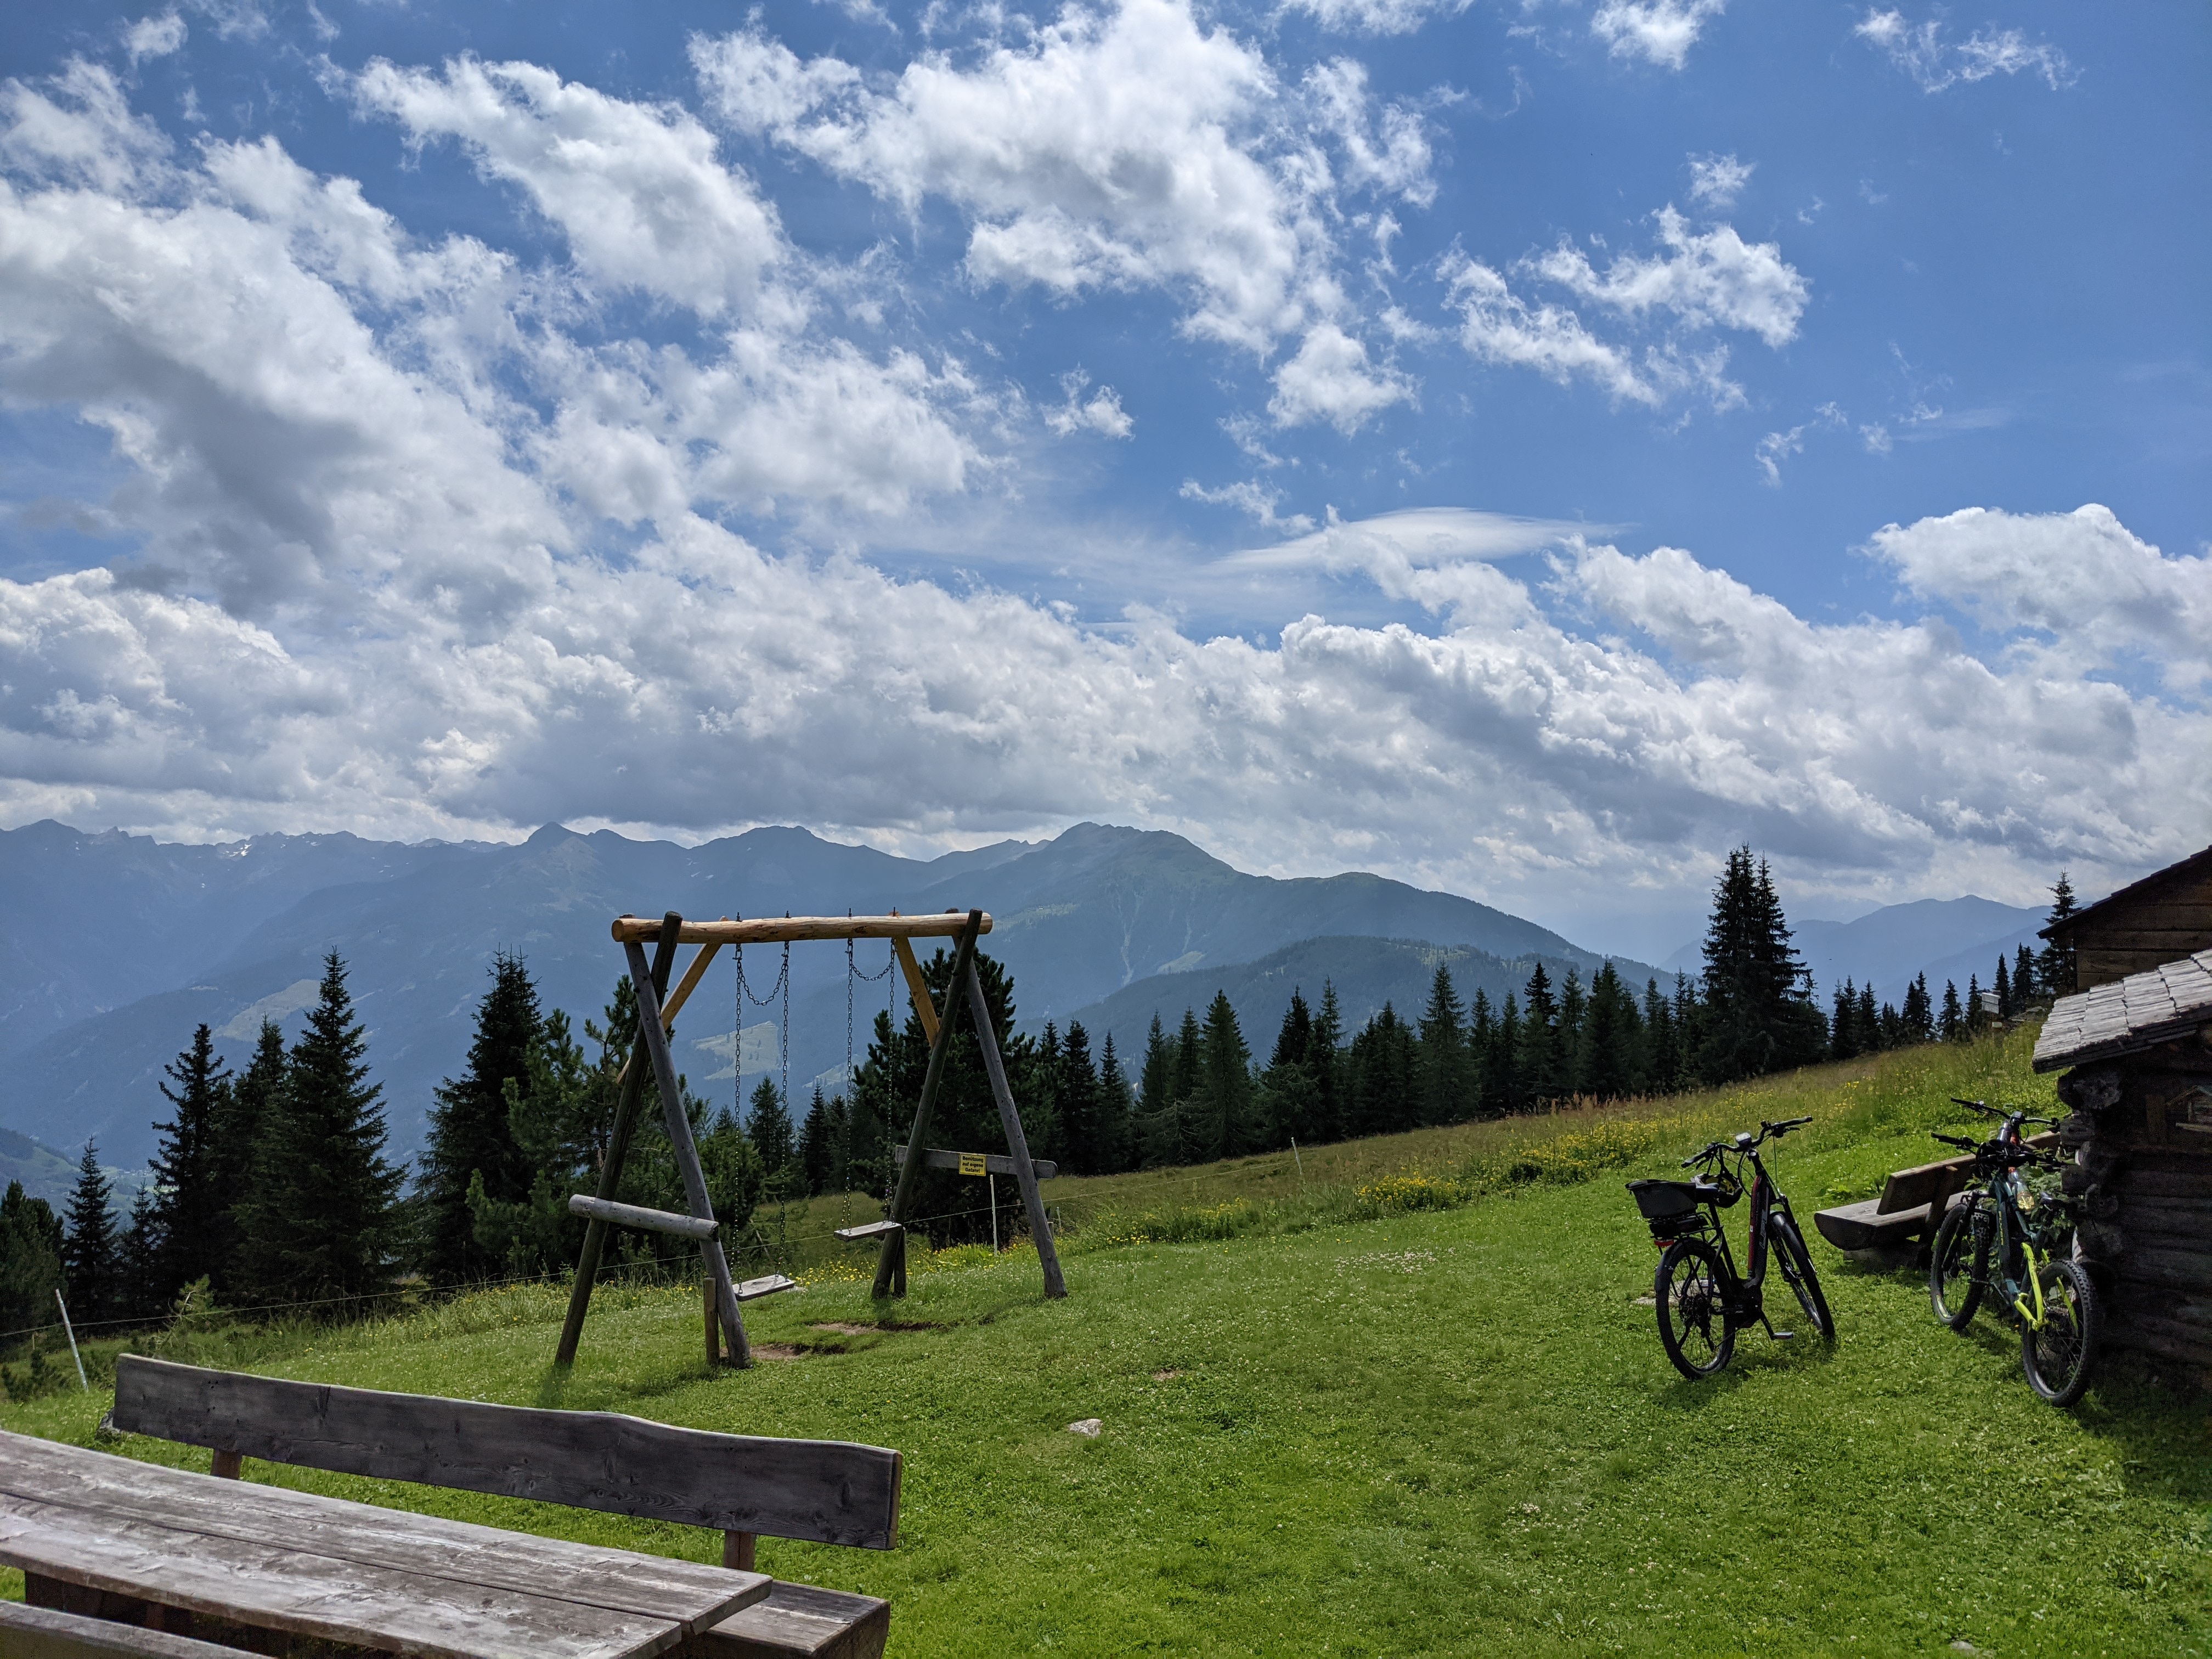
x: 1697, y: 1325
x: 1958, y: 1265
x: 1796, y: 1264
x: 2058, y: 1354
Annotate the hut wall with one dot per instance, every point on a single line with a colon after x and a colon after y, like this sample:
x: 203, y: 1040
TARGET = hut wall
x: 2142, y: 1131
x: 2141, y: 932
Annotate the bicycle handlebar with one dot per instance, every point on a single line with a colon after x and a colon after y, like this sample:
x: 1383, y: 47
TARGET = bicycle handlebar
x: 1745, y: 1142
x: 1956, y: 1141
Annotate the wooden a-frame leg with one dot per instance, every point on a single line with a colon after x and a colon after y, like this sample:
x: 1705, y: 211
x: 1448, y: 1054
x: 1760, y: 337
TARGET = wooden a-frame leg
x: 1010, y: 1119
x: 618, y: 1135
x: 890, y: 1262
x: 687, y: 1152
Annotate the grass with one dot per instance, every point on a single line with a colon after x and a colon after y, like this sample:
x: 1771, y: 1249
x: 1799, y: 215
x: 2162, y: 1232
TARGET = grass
x: 1354, y: 1427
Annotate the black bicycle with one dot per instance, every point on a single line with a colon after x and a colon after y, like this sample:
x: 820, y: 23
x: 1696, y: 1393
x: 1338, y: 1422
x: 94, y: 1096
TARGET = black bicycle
x: 1701, y: 1298
x: 2002, y: 1236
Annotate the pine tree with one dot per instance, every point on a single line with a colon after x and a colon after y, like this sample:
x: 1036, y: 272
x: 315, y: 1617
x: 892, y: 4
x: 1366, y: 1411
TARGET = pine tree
x: 320, y: 1221
x: 1381, y: 1072
x: 1953, y: 1026
x: 1442, y: 1073
x: 817, y: 1142
x: 137, y: 1261
x: 552, y: 1114
x: 1155, y: 1099
x: 767, y: 1125
x: 1501, y: 1063
x: 1542, y: 1055
x: 1876, y: 1031
x: 2054, y: 969
x: 470, y: 1140
x: 1663, y: 1057
x: 2003, y: 984
x: 2023, y: 978
x: 1288, y: 1098
x: 1183, y: 1079
x: 1758, y: 1014
x: 1574, y: 1007
x: 188, y: 1188
x: 1843, y: 1025
x: 89, y: 1244
x: 1976, y: 1015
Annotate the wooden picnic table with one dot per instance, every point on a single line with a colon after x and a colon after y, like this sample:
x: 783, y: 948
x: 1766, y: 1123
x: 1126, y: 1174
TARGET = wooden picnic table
x: 273, y: 1559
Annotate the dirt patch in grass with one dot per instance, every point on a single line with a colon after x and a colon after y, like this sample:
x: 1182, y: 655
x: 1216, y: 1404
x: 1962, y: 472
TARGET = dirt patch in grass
x: 1167, y: 1375
x: 780, y: 1351
x: 843, y: 1329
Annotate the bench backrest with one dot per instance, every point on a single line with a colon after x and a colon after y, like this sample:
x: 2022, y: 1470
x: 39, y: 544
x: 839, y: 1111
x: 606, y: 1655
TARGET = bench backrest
x: 1932, y: 1183
x: 825, y: 1492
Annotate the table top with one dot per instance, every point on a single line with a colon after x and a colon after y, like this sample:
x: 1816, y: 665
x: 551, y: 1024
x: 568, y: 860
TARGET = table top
x: 379, y: 1578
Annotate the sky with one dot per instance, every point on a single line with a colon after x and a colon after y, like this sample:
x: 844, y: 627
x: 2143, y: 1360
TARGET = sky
x: 1523, y: 448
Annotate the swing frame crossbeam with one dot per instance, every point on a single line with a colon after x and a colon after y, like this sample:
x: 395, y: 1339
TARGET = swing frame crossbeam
x: 656, y: 1011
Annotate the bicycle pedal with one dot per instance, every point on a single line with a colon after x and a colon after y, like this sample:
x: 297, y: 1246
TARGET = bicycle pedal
x: 1782, y: 1336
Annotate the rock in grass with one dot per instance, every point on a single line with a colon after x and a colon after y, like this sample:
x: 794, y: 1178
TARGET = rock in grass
x: 1088, y: 1427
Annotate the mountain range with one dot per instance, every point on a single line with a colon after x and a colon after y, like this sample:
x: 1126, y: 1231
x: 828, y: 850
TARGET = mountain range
x: 1944, y: 938
x: 112, y: 947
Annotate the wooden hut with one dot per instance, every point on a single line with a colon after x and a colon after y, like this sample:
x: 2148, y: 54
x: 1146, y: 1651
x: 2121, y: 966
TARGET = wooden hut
x: 2160, y: 919
x: 2138, y: 1055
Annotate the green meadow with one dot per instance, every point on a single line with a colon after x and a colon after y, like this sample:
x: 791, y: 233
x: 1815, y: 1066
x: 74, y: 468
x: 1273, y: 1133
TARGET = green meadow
x: 1390, y: 1398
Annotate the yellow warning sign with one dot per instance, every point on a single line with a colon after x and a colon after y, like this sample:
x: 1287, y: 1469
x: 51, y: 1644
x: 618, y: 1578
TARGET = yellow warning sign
x: 971, y: 1163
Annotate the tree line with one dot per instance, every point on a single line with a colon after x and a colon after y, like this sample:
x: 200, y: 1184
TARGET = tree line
x: 273, y: 1186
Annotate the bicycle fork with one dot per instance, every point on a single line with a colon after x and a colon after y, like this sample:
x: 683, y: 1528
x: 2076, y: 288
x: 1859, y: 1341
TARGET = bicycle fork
x: 2034, y: 1321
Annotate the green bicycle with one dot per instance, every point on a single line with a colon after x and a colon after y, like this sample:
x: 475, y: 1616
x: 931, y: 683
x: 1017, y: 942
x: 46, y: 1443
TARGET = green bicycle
x: 2001, y: 1238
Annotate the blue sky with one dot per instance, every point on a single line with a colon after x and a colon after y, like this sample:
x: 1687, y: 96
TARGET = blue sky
x: 1526, y: 448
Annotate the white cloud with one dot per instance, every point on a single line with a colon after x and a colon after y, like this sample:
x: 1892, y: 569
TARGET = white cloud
x: 1375, y: 16
x: 1119, y: 148
x: 1660, y: 32
x: 153, y: 37
x: 2081, y: 578
x: 1102, y: 414
x: 1716, y: 180
x: 1777, y: 446
x: 1331, y: 379
x: 1920, y: 50
x: 1499, y: 326
x: 76, y: 128
x: 636, y: 189
x: 1712, y: 279
x: 1251, y: 498
x: 1628, y: 715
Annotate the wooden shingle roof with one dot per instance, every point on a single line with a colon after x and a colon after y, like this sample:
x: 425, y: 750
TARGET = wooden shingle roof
x: 2128, y: 1015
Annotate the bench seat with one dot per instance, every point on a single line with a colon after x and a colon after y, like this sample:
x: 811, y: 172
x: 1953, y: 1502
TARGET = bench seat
x: 29, y: 1632
x: 1867, y: 1226
x: 800, y: 1621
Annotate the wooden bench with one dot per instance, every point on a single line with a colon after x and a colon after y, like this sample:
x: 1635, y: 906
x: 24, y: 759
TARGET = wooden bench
x: 825, y: 1492
x: 1910, y: 1209
x: 29, y: 1632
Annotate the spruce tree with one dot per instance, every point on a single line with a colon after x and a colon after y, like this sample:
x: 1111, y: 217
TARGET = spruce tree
x: 1116, y: 1111
x: 1324, y: 1052
x: 320, y: 1221
x: 1183, y: 1079
x: 89, y: 1243
x: 470, y: 1141
x: 31, y: 1243
x: 1082, y: 1136
x: 817, y: 1142
x: 1222, y: 1113
x: 188, y: 1188
x: 1501, y: 1064
x: 1759, y: 1015
x: 1918, y: 1018
x: 1574, y: 1007
x: 1662, y: 1054
x: 1288, y: 1098
x: 1542, y: 1056
x: 1608, y: 1059
x: 137, y: 1258
x: 1952, y: 1025
x: 1380, y: 1070
x: 767, y: 1125
x: 1876, y: 1031
x: 1441, y: 1070
x: 2054, y: 969
x: 1842, y: 1025
x: 2023, y: 978
x: 2003, y: 987
x: 244, y: 1113
x: 1155, y: 1086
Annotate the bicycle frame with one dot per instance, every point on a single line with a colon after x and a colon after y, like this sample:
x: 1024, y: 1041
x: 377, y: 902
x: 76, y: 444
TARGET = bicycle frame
x: 2003, y: 1190
x: 1746, y: 1290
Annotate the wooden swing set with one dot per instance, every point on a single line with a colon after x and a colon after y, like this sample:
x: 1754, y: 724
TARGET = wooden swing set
x: 657, y: 1008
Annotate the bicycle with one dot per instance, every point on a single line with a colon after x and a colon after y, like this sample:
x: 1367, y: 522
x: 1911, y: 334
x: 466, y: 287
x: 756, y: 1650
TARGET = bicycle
x: 1700, y: 1297
x: 2003, y: 1237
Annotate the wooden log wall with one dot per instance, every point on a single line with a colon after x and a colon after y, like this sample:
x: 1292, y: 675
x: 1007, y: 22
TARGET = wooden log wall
x: 2143, y: 932
x: 2146, y: 1171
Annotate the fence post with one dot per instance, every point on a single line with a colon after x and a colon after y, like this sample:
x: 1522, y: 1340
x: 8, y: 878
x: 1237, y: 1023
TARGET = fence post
x: 70, y: 1331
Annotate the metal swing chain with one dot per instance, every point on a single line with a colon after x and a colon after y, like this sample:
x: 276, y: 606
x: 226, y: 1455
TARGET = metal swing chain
x: 745, y: 993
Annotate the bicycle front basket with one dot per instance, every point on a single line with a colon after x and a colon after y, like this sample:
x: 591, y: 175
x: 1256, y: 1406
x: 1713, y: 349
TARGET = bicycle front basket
x: 1665, y: 1200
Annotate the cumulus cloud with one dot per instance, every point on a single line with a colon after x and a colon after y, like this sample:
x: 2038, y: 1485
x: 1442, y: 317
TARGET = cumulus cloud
x: 1709, y: 279
x: 1660, y: 32
x: 637, y: 189
x: 1499, y: 326
x: 1921, y: 51
x: 153, y: 37
x: 1121, y: 150
x: 1618, y: 713
x: 2081, y: 579
x: 1251, y: 498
